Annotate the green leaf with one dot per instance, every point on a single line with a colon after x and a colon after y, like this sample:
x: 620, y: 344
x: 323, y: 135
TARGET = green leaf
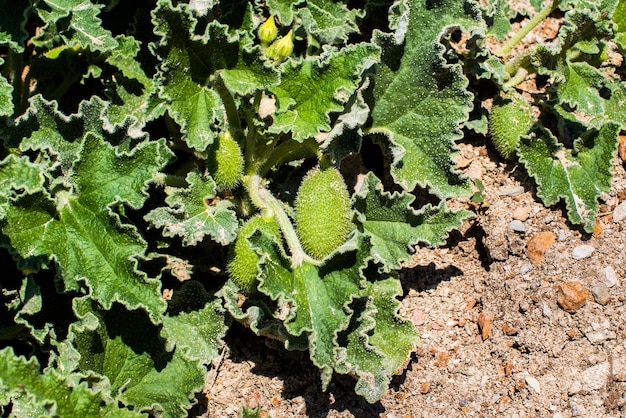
x: 420, y: 100
x: 78, y: 229
x: 197, y: 334
x: 330, y: 22
x: 12, y: 24
x: 579, y: 176
x: 84, y: 27
x: 126, y: 348
x: 380, y: 346
x: 619, y: 17
x: 394, y: 227
x: 192, y: 65
x: 17, y: 173
x: 498, y: 11
x: 313, y: 88
x: 192, y: 216
x: 6, y: 95
x: 49, y: 393
x: 313, y: 305
x: 283, y: 9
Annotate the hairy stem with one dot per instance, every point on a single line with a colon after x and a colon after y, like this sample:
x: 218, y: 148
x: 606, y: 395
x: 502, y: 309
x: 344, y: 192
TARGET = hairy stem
x: 289, y: 151
x: 232, y: 113
x: 263, y: 199
x: 525, y: 30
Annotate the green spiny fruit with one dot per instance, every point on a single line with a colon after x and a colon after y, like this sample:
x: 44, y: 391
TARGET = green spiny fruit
x: 225, y: 161
x: 323, y: 212
x: 242, y: 266
x: 508, y: 121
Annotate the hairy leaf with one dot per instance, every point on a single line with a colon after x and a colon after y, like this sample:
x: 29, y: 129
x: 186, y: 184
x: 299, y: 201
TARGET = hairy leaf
x: 313, y: 88
x: 394, y: 227
x: 48, y: 393
x: 420, y: 101
x: 191, y: 214
x: 127, y: 349
x: 578, y: 176
x: 76, y: 228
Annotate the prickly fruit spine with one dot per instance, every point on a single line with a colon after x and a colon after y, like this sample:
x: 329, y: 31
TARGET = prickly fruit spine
x: 225, y: 161
x: 323, y: 213
x: 243, y: 263
x: 508, y: 121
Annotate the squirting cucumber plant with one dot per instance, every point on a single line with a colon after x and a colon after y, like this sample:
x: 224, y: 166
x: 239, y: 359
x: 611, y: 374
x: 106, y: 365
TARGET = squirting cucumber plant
x: 171, y: 167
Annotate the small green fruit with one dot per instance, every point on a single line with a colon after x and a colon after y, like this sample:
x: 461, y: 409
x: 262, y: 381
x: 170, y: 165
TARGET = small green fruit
x: 509, y: 120
x: 323, y: 214
x: 225, y: 161
x: 281, y: 48
x: 243, y: 263
x: 268, y: 31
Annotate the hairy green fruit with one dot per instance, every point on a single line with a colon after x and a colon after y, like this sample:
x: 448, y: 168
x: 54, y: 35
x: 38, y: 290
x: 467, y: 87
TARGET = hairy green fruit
x: 225, y: 161
x: 323, y: 212
x: 242, y: 266
x: 508, y: 121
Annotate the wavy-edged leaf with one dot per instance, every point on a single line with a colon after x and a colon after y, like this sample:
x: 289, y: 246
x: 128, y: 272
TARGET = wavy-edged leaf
x: 394, y: 227
x: 313, y: 88
x: 6, y: 95
x: 77, y: 228
x: 12, y: 24
x: 313, y: 305
x: 380, y: 345
x: 18, y: 174
x: 579, y: 176
x: 33, y: 393
x: 84, y: 27
x: 192, y: 215
x: 126, y: 348
x: 195, y: 323
x: 619, y: 17
x: 330, y: 22
x: 420, y: 101
x: 191, y: 65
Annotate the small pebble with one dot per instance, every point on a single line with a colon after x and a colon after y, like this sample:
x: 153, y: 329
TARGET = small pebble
x: 619, y: 213
x: 582, y: 251
x: 577, y: 411
x: 512, y: 191
x: 517, y: 226
x: 538, y: 245
x: 610, y: 277
x: 526, y: 268
x: 533, y: 383
x: 484, y: 323
x: 601, y: 293
x: 521, y: 214
x: 571, y: 296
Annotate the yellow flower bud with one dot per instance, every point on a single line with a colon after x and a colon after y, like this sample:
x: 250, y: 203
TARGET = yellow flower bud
x: 268, y: 31
x: 281, y: 48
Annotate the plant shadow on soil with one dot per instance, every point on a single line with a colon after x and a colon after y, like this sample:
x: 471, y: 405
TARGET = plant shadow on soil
x: 299, y: 376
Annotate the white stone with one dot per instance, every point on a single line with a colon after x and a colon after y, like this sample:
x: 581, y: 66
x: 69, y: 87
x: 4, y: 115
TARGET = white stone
x: 610, y: 277
x: 619, y: 213
x: 533, y: 383
x: 582, y: 251
x: 517, y: 226
x: 594, y: 378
